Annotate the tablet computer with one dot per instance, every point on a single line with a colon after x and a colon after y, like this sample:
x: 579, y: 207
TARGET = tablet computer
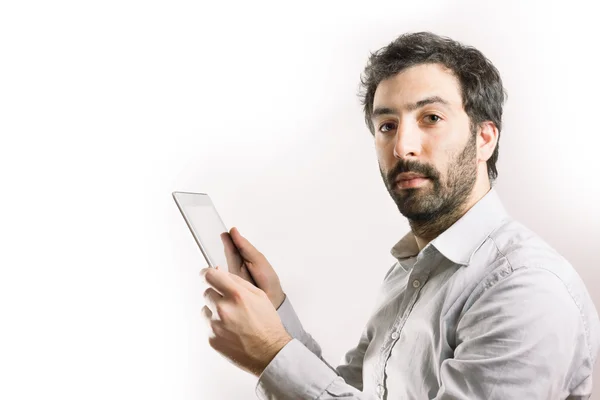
x: 211, y: 234
x: 206, y: 226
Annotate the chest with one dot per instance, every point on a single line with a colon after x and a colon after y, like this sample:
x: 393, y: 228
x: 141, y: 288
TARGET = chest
x: 412, y: 332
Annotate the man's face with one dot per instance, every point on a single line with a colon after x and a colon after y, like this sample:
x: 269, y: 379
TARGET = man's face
x: 421, y: 127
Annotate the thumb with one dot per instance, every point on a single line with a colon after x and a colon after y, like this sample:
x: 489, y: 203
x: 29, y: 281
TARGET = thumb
x: 247, y: 250
x: 245, y: 283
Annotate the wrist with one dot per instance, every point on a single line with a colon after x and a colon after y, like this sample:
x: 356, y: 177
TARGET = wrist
x: 278, y: 300
x: 273, y: 349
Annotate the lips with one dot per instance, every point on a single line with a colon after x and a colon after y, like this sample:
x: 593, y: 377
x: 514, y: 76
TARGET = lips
x: 411, y: 183
x: 408, y: 176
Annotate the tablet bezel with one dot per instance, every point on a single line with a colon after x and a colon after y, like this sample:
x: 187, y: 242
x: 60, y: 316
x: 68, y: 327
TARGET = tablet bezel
x: 202, y: 199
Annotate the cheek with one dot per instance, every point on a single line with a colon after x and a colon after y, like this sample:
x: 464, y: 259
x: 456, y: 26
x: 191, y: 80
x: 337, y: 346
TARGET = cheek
x: 441, y: 161
x: 447, y: 162
x: 385, y: 155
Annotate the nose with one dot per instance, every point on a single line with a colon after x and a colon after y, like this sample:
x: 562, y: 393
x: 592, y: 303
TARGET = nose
x: 408, y: 141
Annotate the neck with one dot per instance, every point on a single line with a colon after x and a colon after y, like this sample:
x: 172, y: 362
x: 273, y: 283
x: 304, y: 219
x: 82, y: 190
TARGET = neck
x: 426, y: 231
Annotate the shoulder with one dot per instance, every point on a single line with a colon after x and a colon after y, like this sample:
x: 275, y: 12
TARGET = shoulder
x: 529, y: 260
x: 532, y: 280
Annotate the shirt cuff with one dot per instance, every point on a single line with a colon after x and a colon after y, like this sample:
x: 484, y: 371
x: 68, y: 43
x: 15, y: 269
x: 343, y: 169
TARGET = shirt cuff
x: 290, y: 319
x: 295, y: 373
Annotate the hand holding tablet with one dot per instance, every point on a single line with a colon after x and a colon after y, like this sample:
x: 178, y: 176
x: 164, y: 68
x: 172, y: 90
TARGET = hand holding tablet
x: 210, y: 233
x: 227, y: 249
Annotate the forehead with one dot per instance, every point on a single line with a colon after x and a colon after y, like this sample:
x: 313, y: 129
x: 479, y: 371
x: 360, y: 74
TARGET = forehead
x: 416, y: 83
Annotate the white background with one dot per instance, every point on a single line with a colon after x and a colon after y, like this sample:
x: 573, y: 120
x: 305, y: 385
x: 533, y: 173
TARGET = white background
x: 107, y: 107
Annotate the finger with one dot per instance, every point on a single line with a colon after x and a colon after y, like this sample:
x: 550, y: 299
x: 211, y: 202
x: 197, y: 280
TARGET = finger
x: 244, y: 283
x: 203, y: 272
x: 247, y: 250
x: 221, y: 281
x: 235, y: 263
x: 244, y: 273
x: 211, y: 298
x: 244, y: 279
x: 207, y: 317
x: 206, y: 314
x: 232, y: 255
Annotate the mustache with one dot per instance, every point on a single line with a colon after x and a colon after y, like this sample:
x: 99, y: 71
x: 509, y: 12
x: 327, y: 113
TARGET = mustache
x: 413, y: 167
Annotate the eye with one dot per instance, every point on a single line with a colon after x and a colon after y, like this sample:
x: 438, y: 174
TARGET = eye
x: 382, y: 128
x: 433, y: 118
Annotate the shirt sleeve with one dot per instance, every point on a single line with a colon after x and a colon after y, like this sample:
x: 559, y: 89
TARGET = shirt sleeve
x: 294, y: 327
x: 523, y: 338
x: 299, y: 371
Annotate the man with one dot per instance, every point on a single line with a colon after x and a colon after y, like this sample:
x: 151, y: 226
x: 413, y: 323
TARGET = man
x: 476, y: 307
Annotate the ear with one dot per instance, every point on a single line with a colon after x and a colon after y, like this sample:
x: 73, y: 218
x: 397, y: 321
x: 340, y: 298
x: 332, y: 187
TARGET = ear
x: 487, y: 139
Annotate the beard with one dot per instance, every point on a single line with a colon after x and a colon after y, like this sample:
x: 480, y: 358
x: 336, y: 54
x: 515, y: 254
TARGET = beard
x: 436, y: 200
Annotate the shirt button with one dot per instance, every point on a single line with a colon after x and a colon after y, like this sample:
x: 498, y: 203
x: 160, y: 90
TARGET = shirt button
x: 416, y: 283
x: 395, y: 335
x: 379, y: 390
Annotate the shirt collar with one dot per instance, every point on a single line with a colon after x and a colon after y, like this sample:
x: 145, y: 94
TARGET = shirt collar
x: 459, y: 241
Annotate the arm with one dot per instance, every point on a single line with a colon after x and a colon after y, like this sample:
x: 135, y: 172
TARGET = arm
x: 523, y: 338
x: 351, y: 367
x: 299, y: 371
x: 292, y: 324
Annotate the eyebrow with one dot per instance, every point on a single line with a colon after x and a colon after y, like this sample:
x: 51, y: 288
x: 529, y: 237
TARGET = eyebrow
x: 410, y: 107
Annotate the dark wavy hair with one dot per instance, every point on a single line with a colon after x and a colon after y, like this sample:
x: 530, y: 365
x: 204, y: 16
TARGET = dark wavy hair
x: 481, y: 87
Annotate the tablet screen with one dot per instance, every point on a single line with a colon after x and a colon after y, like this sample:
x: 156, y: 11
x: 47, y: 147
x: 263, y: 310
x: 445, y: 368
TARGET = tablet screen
x: 206, y: 225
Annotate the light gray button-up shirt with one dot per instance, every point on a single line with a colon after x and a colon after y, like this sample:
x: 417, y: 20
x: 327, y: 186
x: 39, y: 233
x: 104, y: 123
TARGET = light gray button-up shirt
x: 487, y: 310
